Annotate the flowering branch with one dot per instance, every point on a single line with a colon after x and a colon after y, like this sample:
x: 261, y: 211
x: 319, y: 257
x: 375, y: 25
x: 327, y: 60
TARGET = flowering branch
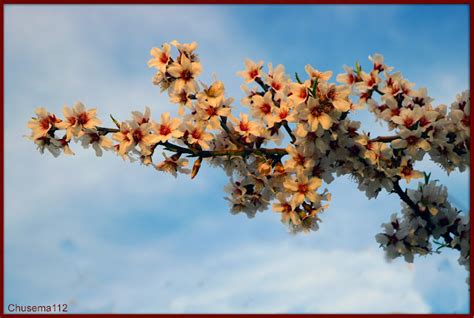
x: 325, y: 142
x: 290, y: 133
x: 239, y: 152
x: 404, y: 196
x: 386, y: 139
x: 427, y: 217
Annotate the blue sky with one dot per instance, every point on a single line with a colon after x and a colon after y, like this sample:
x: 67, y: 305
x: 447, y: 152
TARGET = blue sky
x: 104, y: 235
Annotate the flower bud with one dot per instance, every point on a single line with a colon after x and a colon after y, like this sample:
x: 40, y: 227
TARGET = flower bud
x: 196, y: 167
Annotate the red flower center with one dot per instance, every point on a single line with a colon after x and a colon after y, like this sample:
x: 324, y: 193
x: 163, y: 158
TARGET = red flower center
x: 196, y: 134
x: 286, y: 208
x: 137, y: 135
x: 165, y: 130
x: 303, y: 94
x: 265, y: 108
x: 283, y: 114
x: 302, y: 188
x: 350, y: 78
x: 412, y: 140
x: 44, y: 123
x: 243, y: 126
x: 82, y: 118
x: 407, y: 170
x: 211, y: 111
x: 300, y: 159
x: 186, y: 75
x: 183, y: 97
x: 164, y: 58
x: 253, y: 73
x: 276, y: 86
x: 316, y: 111
x: 331, y: 94
x: 408, y: 122
x: 371, y: 82
x: 424, y: 121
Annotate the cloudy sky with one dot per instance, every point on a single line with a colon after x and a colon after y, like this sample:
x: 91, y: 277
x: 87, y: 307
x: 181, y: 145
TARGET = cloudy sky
x: 103, y: 235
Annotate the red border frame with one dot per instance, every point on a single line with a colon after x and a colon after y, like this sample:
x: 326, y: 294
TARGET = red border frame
x: 2, y: 280
x: 237, y: 2
x: 11, y: 2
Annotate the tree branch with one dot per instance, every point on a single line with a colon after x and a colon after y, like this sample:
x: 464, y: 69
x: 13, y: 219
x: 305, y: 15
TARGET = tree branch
x: 404, y: 197
x: 290, y: 133
x: 235, y: 141
x: 384, y: 139
x: 218, y: 153
x: 209, y: 153
x: 376, y: 89
x: 264, y: 86
x: 240, y: 152
x: 105, y: 130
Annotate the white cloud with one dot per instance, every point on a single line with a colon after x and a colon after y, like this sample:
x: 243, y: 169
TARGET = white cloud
x: 292, y: 279
x: 279, y: 276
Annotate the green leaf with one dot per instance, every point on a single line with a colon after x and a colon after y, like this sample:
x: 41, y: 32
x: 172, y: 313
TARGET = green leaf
x: 314, y: 90
x: 427, y: 177
x: 298, y: 78
x: 358, y: 68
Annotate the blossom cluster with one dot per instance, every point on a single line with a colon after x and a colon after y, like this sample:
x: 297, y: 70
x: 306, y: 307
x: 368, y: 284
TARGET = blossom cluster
x: 432, y: 217
x: 311, y: 116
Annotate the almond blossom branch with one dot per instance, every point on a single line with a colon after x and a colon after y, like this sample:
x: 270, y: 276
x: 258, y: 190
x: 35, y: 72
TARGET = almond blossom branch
x: 104, y: 130
x: 266, y: 88
x: 240, y: 152
x: 218, y: 153
x: 385, y: 139
x: 325, y: 143
x: 209, y: 153
x: 426, y: 216
x: 404, y: 196
x: 290, y: 132
x: 235, y: 141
